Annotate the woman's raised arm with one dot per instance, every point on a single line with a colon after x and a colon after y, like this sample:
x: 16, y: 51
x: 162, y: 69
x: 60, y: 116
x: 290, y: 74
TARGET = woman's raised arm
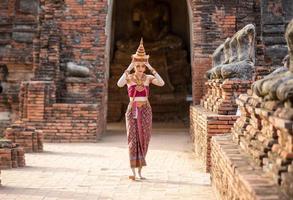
x: 123, y: 79
x: 156, y: 79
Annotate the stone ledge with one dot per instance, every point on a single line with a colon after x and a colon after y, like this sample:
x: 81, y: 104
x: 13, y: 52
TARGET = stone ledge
x: 234, y: 177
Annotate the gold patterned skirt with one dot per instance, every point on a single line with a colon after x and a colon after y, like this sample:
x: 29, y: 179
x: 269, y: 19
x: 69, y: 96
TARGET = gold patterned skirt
x: 138, y: 126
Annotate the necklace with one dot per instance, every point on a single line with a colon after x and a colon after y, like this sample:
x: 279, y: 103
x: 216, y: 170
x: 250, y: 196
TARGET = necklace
x: 139, y: 82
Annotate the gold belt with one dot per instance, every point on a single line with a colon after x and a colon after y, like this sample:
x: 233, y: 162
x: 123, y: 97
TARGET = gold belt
x: 140, y: 103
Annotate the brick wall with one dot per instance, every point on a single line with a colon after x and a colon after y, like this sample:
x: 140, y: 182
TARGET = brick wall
x: 30, y: 139
x: 59, y: 122
x: 235, y: 177
x: 11, y: 155
x: 205, y: 124
x: 80, y: 38
x: 266, y: 139
x: 212, y: 22
x: 72, y: 123
x: 221, y: 95
x: 275, y: 17
x: 18, y: 27
x: 272, y: 20
x: 217, y: 112
x: 77, y: 33
x: 259, y: 149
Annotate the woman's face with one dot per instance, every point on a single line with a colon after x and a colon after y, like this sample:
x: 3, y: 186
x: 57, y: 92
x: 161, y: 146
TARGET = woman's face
x: 140, y: 68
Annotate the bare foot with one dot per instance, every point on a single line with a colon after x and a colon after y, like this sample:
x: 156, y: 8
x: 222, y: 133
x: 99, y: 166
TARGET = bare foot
x: 132, y: 178
x: 142, y: 178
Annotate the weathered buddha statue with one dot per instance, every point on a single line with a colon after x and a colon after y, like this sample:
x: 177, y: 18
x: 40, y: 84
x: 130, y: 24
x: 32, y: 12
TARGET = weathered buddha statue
x: 220, y: 56
x: 278, y: 86
x: 151, y: 20
x: 77, y: 84
x: 263, y: 87
x: 241, y: 56
x: 243, y: 68
x: 75, y: 70
x: 217, y: 59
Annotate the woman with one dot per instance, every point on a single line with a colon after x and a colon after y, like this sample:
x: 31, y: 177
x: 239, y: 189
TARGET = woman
x: 139, y: 113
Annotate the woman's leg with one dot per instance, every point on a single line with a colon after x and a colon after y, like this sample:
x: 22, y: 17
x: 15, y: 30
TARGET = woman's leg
x: 139, y: 173
x: 131, y: 129
x: 144, y: 134
x: 134, y: 175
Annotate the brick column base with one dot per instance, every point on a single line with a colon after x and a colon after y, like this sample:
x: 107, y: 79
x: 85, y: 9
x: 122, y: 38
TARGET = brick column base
x: 11, y: 155
x: 27, y: 137
x: 203, y: 125
x: 221, y: 96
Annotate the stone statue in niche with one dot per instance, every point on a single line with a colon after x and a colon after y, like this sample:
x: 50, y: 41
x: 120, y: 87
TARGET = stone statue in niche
x: 75, y: 70
x: 278, y: 86
x: 241, y: 53
x: 151, y: 19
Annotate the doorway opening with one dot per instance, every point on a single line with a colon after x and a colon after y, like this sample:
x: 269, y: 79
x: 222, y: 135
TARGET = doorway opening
x: 164, y: 26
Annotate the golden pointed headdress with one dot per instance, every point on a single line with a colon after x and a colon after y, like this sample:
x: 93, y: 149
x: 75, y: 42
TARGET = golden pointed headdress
x: 140, y: 55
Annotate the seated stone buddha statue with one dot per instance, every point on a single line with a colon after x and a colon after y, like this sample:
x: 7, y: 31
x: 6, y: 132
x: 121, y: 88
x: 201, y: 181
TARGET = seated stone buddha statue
x: 151, y: 20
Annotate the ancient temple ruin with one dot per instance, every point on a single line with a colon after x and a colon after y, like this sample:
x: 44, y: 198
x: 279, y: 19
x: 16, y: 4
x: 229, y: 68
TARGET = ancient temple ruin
x: 260, y: 141
x: 231, y: 75
x: 222, y: 61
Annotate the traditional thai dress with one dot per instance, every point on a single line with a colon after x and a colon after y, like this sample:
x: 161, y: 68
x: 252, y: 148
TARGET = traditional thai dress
x: 138, y: 125
x: 139, y: 115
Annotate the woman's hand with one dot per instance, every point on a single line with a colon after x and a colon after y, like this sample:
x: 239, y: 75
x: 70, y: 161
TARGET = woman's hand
x: 153, y: 71
x: 149, y: 66
x: 130, y: 67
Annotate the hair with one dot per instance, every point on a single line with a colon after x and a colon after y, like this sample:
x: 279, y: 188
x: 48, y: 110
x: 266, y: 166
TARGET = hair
x: 142, y: 64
